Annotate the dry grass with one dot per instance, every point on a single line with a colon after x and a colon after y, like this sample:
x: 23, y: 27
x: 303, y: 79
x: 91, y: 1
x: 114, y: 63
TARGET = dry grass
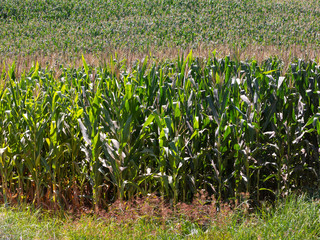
x: 259, y: 53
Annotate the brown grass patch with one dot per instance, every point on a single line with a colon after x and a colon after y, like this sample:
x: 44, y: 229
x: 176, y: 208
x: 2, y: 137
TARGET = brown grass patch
x: 259, y: 53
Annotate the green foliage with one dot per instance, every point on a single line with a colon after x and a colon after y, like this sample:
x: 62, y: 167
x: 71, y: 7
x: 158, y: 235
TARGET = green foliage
x: 94, y: 135
x: 77, y: 26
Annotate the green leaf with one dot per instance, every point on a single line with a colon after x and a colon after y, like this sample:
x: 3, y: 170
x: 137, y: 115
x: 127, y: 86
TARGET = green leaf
x: 86, y: 68
x: 149, y: 121
x: 126, y: 131
x: 84, y: 132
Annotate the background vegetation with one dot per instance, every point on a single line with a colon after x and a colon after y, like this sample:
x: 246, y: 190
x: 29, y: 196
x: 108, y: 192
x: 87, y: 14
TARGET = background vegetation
x: 74, y: 27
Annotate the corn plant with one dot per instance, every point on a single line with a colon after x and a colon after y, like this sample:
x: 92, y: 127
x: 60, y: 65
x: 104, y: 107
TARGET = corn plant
x: 93, y: 135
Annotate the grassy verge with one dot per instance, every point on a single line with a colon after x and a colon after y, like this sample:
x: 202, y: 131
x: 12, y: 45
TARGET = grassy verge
x: 293, y: 218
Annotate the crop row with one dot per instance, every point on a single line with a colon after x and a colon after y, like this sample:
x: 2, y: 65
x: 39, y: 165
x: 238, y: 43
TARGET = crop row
x: 96, y: 134
x: 78, y: 26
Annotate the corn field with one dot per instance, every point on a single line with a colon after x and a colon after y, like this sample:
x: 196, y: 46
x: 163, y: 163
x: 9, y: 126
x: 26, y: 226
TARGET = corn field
x: 92, y: 135
x: 74, y: 27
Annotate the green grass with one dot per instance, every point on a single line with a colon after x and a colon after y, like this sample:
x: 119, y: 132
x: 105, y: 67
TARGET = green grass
x: 76, y: 26
x: 294, y: 218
